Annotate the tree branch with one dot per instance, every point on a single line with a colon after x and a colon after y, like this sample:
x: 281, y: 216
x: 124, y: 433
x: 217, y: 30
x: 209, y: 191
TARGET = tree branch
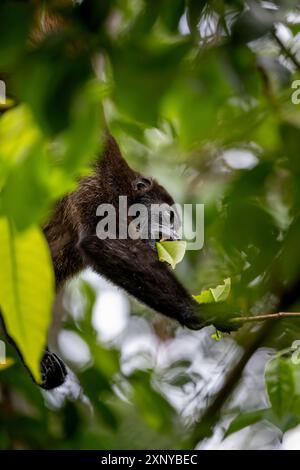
x: 267, y: 316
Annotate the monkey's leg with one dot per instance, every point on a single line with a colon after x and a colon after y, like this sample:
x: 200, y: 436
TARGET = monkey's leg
x: 134, y: 266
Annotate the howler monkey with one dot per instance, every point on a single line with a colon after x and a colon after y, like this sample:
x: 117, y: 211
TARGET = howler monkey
x: 130, y: 264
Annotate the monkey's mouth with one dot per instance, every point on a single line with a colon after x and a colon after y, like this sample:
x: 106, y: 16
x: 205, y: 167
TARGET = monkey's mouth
x: 163, y: 233
x: 155, y: 232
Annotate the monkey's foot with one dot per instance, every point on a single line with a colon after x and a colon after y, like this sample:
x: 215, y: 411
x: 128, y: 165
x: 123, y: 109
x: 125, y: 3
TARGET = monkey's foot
x: 53, y: 370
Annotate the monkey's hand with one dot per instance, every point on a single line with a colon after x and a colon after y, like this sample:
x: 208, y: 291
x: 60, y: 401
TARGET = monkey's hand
x: 219, y: 315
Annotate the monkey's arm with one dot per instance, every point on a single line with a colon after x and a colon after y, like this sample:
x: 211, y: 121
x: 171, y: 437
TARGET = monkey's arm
x: 134, y: 266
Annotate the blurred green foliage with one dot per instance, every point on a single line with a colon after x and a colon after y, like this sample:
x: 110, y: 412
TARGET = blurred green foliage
x: 199, y: 94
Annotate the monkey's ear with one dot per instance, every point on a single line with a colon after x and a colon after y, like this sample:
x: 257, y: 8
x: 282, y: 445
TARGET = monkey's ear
x: 142, y: 184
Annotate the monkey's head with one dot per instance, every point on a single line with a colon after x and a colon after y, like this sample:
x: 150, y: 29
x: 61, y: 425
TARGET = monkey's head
x: 157, y: 218
x: 152, y: 214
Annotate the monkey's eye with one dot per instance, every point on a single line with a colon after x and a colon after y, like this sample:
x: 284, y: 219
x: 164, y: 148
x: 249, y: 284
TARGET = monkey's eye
x: 142, y: 184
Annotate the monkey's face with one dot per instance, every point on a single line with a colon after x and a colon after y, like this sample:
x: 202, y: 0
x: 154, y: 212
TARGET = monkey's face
x: 158, y: 218
x: 150, y: 212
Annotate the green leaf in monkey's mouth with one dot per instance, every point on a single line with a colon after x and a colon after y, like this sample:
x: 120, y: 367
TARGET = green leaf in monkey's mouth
x: 171, y: 252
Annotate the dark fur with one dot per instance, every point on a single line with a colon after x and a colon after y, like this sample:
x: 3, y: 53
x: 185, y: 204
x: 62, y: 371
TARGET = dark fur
x: 130, y: 264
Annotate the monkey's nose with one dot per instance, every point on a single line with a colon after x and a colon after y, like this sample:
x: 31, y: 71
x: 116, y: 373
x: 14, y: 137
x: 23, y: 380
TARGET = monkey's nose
x: 168, y: 234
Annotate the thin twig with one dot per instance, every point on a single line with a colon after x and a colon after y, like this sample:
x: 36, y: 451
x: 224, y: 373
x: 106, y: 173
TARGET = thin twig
x: 267, y: 316
x: 286, y: 50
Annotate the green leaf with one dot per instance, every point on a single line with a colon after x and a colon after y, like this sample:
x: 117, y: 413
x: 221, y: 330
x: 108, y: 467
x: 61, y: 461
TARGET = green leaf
x: 53, y: 86
x: 216, y: 294
x: 139, y: 68
x: 171, y: 12
x: 194, y: 11
x: 15, y: 22
x: 249, y: 418
x: 27, y: 290
x: 220, y: 293
x: 246, y: 419
x: 49, y: 167
x: 280, y: 385
x: 22, y: 156
x: 172, y: 252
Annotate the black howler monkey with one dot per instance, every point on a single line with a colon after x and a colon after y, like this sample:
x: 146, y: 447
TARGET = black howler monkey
x: 131, y: 264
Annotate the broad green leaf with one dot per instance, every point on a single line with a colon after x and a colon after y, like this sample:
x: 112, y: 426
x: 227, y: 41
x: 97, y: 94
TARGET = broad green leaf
x: 216, y: 294
x: 280, y: 385
x: 18, y: 134
x: 27, y: 290
x: 172, y: 252
x: 22, y: 158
